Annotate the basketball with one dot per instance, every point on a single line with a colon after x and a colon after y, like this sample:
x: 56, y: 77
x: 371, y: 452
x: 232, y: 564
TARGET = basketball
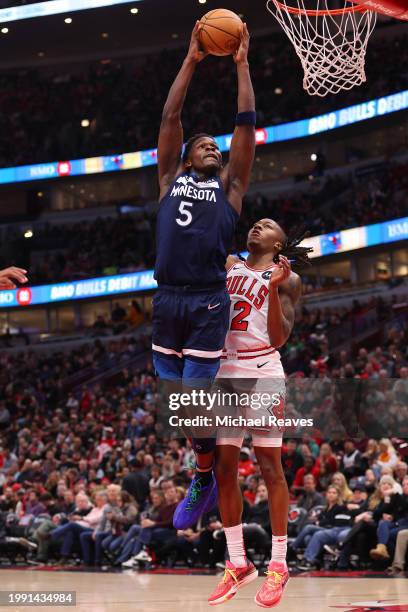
x: 220, y: 32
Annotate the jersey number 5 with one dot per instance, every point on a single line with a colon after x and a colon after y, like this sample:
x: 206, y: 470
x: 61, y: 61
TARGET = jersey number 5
x: 238, y: 323
x: 188, y: 217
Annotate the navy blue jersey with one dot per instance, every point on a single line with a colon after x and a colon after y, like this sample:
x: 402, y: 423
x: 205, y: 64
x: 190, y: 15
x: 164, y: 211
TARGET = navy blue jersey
x: 195, y: 227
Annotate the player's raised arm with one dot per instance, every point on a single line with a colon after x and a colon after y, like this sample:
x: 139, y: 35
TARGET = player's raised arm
x: 238, y: 172
x: 171, y: 129
x: 285, y: 289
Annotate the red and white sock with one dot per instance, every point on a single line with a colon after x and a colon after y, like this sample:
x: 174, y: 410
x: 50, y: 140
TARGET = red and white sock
x: 279, y: 548
x: 235, y: 544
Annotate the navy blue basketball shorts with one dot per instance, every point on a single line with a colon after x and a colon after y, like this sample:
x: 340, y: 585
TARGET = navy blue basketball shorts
x: 189, y: 329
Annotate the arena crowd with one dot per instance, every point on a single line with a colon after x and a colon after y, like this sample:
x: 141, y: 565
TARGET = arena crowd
x: 86, y: 477
x: 42, y: 109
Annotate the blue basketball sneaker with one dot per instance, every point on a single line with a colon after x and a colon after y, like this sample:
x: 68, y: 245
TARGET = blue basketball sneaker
x: 201, y: 497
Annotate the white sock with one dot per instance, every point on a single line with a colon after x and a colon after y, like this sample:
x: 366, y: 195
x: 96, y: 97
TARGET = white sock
x: 235, y: 544
x: 279, y: 548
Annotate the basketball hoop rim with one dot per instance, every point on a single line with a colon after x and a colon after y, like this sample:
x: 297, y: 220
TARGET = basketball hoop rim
x: 321, y: 13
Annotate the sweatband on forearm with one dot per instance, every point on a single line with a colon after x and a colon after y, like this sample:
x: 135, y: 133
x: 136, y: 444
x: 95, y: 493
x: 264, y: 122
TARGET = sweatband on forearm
x: 246, y: 118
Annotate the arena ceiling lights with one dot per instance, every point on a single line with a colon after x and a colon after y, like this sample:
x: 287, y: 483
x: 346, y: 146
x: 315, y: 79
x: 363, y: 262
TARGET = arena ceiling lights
x: 55, y: 7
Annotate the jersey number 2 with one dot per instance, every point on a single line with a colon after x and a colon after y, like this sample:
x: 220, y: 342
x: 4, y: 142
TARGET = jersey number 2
x: 238, y: 323
x: 186, y: 214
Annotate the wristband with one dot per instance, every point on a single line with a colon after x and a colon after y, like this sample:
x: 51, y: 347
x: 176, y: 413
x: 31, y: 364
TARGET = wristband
x: 246, y: 118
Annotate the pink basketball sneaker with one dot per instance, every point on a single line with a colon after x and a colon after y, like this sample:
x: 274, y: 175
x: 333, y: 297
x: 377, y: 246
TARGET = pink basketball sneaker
x: 234, y: 578
x: 270, y: 593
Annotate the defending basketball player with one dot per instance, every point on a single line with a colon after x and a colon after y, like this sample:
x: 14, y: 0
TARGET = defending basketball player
x: 200, y: 203
x: 264, y: 292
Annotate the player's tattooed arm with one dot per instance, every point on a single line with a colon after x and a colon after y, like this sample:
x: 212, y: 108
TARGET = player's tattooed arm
x: 285, y: 289
x: 236, y: 175
x: 171, y: 130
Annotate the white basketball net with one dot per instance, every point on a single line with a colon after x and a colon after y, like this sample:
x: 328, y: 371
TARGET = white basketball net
x: 331, y: 48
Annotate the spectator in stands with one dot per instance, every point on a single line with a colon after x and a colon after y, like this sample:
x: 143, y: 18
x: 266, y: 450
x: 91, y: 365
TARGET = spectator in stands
x: 339, y: 480
x: 363, y: 533
x: 34, y: 505
x: 68, y: 503
x: 387, y: 456
x: 306, y: 469
x: 100, y: 326
x: 400, y: 554
x: 26, y: 475
x: 131, y: 546
x: 350, y: 464
x: 245, y: 464
x: 394, y: 519
x: 259, y: 512
x: 257, y: 530
x: 118, y: 318
x: 325, y: 466
x: 136, y: 483
x: 327, y: 525
x: 121, y: 522
x: 400, y: 471
x: 85, y: 520
x: 370, y: 455
x: 135, y: 315
x: 156, y: 477
x: 327, y: 539
x: 370, y: 481
x: 291, y: 461
x: 94, y: 539
x: 310, y: 497
x: 156, y: 529
x: 251, y: 490
x: 212, y: 542
x: 5, y: 416
x: 304, y: 512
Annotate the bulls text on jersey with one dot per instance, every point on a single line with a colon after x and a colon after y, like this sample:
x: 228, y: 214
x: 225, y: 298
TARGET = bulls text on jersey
x: 249, y: 287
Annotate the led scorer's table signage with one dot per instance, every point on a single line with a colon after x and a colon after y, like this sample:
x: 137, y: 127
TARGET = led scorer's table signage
x: 78, y: 290
x: 268, y: 135
x: 54, y: 7
x: 327, y: 244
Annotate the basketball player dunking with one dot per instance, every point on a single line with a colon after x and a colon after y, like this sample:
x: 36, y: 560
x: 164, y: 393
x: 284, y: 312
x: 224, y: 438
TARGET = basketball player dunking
x: 264, y: 292
x: 200, y: 203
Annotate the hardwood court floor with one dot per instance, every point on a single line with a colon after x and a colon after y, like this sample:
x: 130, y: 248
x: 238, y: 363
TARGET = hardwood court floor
x: 146, y: 592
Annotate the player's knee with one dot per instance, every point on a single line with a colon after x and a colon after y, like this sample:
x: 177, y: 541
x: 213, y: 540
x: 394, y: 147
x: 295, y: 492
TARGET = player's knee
x: 226, y: 474
x: 273, y: 475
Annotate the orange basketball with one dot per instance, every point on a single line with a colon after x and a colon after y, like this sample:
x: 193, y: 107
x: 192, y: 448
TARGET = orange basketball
x: 220, y: 33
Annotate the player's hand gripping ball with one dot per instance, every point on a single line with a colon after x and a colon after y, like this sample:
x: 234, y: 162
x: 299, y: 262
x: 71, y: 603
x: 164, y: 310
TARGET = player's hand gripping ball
x: 220, y: 32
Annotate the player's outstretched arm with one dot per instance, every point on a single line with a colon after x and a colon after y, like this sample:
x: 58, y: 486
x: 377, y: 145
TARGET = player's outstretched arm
x: 237, y: 174
x: 285, y: 289
x: 10, y: 276
x: 171, y: 129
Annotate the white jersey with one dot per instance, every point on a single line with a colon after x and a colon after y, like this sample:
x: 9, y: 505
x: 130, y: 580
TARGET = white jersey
x: 247, y: 345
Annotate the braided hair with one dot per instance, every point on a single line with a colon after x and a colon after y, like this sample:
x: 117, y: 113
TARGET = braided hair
x: 298, y: 255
